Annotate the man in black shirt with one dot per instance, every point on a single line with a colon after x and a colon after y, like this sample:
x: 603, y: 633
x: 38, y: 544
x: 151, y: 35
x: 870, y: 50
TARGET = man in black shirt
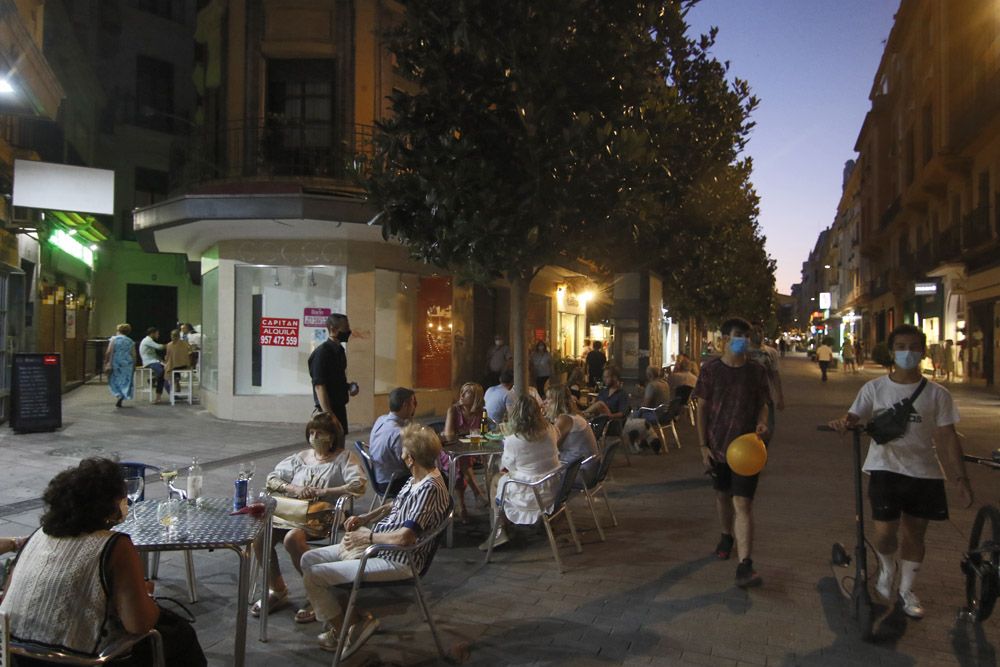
x: 596, y: 361
x: 328, y: 369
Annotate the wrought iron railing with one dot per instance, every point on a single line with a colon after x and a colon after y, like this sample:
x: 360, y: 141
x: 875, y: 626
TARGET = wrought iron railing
x: 976, y: 227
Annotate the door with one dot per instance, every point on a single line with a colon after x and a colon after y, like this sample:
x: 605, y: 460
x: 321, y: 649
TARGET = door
x: 151, y: 306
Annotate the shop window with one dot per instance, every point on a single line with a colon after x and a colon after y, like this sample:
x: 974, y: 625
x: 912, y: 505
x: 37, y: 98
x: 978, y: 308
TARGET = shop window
x: 280, y: 319
x: 413, y: 331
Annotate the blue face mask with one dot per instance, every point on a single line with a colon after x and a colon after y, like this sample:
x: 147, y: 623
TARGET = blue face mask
x: 906, y: 359
x: 737, y: 345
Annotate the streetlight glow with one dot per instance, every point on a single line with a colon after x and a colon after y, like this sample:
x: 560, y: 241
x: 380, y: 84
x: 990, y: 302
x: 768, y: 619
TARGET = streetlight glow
x: 5, y: 87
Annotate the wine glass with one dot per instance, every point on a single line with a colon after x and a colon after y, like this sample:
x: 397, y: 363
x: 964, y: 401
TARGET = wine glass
x: 133, y: 489
x: 168, y: 473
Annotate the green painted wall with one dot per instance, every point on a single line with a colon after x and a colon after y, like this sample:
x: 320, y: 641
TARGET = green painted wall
x: 120, y: 263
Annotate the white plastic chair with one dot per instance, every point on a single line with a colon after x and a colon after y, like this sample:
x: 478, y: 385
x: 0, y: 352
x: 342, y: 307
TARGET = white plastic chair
x: 184, y: 376
x: 142, y: 380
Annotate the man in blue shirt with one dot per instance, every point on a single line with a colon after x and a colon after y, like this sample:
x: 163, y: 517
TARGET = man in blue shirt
x: 500, y: 397
x: 385, y: 444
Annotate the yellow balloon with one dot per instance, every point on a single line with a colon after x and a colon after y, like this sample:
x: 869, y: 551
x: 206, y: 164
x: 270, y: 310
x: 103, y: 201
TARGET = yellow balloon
x: 746, y: 454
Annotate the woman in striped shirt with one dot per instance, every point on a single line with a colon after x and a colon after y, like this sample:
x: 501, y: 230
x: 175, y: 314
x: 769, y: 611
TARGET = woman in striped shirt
x: 421, y: 505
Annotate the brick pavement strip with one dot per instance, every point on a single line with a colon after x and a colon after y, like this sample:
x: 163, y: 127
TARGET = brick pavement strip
x: 652, y: 594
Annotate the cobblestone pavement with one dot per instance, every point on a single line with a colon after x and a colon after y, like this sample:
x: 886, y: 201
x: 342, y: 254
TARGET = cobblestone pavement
x: 651, y: 594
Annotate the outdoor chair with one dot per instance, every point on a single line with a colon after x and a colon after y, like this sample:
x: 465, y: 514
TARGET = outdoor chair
x: 382, y: 492
x: 665, y: 416
x: 142, y: 381
x: 432, y: 538
x: 567, y: 475
x: 436, y: 426
x: 591, y: 487
x: 135, y: 469
x: 683, y: 394
x: 601, y: 426
x: 115, y: 650
x: 182, y: 377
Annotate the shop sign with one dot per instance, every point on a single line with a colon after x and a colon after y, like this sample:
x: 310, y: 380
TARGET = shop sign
x: 824, y: 300
x: 72, y: 247
x: 315, y: 317
x: 279, y: 331
x: 923, y: 289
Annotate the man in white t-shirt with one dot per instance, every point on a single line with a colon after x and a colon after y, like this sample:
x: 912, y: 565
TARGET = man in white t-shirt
x: 906, y: 488
x: 824, y: 353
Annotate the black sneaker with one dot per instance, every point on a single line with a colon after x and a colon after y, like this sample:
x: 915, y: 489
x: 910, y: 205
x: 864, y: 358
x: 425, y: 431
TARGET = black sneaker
x: 746, y: 576
x: 725, y: 547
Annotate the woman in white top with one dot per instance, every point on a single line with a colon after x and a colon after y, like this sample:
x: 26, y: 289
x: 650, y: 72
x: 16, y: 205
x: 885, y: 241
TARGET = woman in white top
x: 324, y: 472
x: 529, y: 453
x: 576, y: 438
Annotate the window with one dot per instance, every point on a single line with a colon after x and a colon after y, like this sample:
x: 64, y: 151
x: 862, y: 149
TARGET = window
x: 154, y: 94
x: 172, y: 10
x: 300, y: 298
x: 300, y: 134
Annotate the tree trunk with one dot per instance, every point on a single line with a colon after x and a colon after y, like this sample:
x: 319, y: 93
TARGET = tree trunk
x: 518, y: 307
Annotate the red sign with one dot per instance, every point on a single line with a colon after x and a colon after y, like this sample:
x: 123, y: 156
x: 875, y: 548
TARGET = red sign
x: 280, y: 331
x: 50, y: 360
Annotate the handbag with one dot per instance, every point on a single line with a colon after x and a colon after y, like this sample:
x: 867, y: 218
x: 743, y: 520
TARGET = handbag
x: 313, y: 516
x: 891, y: 424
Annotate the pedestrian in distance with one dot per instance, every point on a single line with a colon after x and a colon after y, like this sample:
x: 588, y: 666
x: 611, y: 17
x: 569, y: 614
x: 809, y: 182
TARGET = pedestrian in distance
x: 119, y: 364
x: 498, y: 359
x: 782, y: 347
x: 824, y: 354
x: 732, y: 396
x: 150, y: 350
x: 847, y: 354
x: 328, y: 370
x: 948, y: 356
x: 907, y: 486
x: 595, y: 362
x: 541, y: 366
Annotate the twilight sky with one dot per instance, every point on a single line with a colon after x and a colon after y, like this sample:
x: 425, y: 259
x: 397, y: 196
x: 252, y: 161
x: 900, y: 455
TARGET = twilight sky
x: 811, y: 63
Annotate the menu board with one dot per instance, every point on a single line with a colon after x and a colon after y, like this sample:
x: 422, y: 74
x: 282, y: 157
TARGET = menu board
x: 36, y: 393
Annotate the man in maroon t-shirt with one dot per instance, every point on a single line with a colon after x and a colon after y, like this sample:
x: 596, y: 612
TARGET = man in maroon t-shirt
x: 732, y: 395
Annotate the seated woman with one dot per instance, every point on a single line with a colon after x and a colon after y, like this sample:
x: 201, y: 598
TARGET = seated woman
x: 576, y: 438
x: 421, y: 505
x: 78, y: 586
x: 177, y: 356
x: 325, y: 471
x: 681, y: 376
x: 639, y: 428
x: 529, y: 453
x: 463, y: 418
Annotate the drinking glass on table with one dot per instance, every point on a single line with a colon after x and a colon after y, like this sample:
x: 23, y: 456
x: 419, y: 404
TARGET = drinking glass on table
x: 246, y: 471
x: 133, y: 490
x: 166, y: 513
x: 168, y: 473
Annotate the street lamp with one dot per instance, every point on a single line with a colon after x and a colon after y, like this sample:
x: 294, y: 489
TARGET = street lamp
x: 5, y: 87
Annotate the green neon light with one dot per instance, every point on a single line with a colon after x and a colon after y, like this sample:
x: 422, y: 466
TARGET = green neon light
x: 72, y: 247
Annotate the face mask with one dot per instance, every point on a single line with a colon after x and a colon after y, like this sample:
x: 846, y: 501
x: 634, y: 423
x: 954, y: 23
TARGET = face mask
x: 321, y: 442
x: 738, y: 345
x: 906, y: 359
x: 343, y: 336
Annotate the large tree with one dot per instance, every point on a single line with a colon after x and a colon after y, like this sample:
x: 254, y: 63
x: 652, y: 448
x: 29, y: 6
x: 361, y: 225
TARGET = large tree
x: 543, y: 132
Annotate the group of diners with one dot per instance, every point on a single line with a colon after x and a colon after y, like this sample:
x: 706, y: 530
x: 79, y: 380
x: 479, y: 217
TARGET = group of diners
x: 180, y: 353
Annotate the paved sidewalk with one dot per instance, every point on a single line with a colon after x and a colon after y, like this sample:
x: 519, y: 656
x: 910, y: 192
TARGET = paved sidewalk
x: 651, y: 594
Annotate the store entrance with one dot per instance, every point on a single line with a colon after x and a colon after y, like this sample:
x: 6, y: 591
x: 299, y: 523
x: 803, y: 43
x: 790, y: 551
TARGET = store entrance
x: 151, y: 306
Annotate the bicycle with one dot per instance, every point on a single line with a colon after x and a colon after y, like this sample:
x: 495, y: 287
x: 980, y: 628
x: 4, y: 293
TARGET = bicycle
x: 981, y: 563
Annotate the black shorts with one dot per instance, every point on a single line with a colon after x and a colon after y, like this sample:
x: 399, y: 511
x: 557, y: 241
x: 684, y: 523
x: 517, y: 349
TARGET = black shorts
x: 892, y: 494
x: 725, y: 480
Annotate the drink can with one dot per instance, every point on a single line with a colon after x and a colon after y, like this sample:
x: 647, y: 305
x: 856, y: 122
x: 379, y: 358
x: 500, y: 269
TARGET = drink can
x: 242, y: 486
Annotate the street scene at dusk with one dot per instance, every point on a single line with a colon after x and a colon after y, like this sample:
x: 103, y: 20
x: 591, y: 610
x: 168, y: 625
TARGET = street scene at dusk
x: 381, y: 332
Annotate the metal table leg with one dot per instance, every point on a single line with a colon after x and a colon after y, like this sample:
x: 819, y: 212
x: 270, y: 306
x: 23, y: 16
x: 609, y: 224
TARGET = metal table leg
x: 452, y: 466
x: 265, y: 573
x: 240, y: 649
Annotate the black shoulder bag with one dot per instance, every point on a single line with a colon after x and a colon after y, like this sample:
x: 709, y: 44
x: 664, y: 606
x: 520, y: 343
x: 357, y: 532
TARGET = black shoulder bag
x: 891, y: 424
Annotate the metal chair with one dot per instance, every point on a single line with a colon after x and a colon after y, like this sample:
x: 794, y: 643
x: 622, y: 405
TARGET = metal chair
x: 663, y: 416
x: 684, y: 394
x: 601, y: 426
x: 113, y: 651
x: 567, y: 474
x: 590, y: 488
x: 382, y: 491
x: 433, y: 538
x: 136, y: 469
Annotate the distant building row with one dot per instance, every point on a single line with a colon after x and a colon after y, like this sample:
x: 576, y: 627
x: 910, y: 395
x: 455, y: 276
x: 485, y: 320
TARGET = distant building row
x: 915, y: 237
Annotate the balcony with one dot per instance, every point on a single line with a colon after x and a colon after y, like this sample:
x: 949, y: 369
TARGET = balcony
x: 273, y: 149
x: 976, y: 229
x: 947, y: 246
x: 879, y: 285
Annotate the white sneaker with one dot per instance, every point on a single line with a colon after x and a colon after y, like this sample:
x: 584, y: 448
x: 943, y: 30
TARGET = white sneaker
x: 883, y: 584
x: 911, y: 604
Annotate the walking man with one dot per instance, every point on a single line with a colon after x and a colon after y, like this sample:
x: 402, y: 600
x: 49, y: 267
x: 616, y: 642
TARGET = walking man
x: 497, y: 359
x: 824, y: 353
x: 732, y: 395
x: 328, y: 370
x: 906, y: 487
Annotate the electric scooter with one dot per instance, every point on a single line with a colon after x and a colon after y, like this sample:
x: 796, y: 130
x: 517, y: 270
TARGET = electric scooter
x: 861, y: 600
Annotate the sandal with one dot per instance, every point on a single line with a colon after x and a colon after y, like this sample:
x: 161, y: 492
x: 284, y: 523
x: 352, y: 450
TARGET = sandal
x: 305, y: 615
x: 275, y: 600
x: 358, y: 634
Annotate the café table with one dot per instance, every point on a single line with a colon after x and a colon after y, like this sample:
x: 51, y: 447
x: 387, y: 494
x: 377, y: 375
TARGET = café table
x: 208, y: 525
x: 465, y: 448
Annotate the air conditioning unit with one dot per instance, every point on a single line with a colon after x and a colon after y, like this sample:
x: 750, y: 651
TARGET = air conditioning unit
x: 24, y: 217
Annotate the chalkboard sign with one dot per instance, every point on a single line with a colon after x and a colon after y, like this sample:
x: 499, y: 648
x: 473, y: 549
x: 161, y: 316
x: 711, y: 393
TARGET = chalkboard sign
x: 36, y: 393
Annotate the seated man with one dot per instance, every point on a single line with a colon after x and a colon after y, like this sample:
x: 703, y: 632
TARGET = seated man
x: 385, y: 445
x: 500, y: 397
x: 149, y: 352
x: 611, y: 401
x: 421, y: 505
x: 639, y: 429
